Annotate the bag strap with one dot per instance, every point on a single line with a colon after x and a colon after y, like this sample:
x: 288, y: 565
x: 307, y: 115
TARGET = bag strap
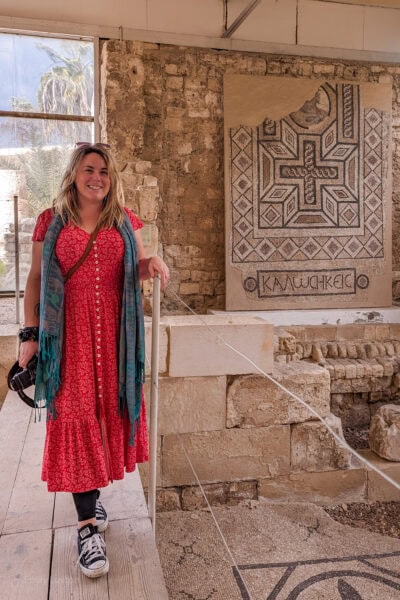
x: 76, y: 266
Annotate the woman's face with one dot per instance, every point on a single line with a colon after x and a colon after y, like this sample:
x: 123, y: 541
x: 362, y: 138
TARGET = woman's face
x: 92, y: 180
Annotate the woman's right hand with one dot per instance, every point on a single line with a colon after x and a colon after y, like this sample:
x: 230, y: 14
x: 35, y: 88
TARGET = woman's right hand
x: 26, y: 351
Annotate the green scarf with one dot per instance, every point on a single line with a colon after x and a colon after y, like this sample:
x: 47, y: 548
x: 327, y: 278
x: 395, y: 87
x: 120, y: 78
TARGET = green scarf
x: 131, y: 342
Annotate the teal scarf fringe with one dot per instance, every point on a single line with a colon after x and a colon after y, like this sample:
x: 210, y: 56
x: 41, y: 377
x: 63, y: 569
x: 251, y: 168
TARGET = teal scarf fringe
x: 131, y: 368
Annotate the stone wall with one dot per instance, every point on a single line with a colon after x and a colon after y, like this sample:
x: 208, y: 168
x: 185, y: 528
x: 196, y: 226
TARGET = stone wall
x: 245, y: 436
x: 363, y: 362
x: 162, y: 111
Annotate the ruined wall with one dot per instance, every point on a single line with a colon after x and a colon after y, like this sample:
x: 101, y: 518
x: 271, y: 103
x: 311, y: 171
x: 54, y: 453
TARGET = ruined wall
x: 162, y: 111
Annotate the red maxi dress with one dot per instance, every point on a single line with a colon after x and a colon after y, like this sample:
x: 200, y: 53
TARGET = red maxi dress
x: 87, y: 444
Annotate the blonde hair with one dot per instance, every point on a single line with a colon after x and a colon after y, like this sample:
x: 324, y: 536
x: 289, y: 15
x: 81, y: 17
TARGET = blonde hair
x: 66, y: 204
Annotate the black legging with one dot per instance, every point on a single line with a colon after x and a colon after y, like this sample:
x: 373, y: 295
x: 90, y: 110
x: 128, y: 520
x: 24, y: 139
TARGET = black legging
x: 85, y: 504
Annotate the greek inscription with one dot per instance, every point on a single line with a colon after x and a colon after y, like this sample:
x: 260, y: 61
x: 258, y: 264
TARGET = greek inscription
x: 325, y: 282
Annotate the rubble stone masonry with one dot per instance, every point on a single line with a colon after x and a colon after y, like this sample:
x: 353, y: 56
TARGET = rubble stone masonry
x: 162, y: 112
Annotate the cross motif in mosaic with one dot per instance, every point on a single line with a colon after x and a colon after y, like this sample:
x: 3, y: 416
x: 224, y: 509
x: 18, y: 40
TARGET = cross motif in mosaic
x: 309, y: 186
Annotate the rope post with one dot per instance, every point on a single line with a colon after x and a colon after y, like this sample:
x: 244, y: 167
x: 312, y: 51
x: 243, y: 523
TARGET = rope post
x: 16, y: 244
x: 155, y: 329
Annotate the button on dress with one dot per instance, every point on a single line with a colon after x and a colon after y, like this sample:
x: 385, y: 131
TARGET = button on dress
x: 87, y: 444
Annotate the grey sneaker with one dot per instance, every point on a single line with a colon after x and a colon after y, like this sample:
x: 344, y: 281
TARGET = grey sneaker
x: 92, y: 552
x: 101, y: 516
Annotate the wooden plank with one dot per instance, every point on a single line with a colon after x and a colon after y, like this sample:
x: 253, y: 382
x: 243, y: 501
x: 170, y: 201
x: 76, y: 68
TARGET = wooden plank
x: 31, y: 506
x: 123, y: 500
x: 67, y: 580
x: 135, y: 570
x: 14, y: 421
x: 25, y: 565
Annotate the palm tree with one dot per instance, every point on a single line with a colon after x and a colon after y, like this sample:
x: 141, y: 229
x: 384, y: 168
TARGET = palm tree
x: 67, y: 88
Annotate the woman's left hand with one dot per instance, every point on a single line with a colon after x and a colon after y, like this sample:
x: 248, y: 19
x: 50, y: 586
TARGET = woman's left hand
x: 157, y: 266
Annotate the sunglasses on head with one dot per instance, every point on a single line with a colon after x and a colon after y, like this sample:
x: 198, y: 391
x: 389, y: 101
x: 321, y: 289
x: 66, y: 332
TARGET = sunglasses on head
x: 92, y: 145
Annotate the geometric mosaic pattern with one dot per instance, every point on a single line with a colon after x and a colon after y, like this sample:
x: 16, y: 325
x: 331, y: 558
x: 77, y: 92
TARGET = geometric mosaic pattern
x: 309, y: 186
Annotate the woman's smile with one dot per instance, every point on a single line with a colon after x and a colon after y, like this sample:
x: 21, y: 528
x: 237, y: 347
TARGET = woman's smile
x: 92, y: 180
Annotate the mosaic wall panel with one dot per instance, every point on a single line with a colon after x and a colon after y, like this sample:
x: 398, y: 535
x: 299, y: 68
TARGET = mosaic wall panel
x: 308, y: 188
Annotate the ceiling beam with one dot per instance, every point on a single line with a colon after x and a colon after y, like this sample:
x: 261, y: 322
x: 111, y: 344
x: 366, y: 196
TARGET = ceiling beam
x: 239, y: 20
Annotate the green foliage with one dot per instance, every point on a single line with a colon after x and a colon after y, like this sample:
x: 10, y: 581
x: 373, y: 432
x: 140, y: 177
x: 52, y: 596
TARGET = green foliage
x: 66, y: 88
x: 42, y: 168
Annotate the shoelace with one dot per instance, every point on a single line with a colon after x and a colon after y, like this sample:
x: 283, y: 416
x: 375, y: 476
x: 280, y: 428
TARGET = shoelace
x: 100, y: 511
x: 94, y: 547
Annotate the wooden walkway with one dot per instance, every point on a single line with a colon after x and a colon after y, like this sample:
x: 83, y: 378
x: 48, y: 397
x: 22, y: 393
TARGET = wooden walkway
x: 38, y: 529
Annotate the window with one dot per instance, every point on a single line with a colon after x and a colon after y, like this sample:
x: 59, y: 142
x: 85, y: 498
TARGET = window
x: 46, y: 105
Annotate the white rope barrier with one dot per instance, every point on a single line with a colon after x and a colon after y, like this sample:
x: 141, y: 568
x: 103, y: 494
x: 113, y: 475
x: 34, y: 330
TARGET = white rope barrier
x: 155, y: 328
x: 154, y: 415
x: 337, y: 437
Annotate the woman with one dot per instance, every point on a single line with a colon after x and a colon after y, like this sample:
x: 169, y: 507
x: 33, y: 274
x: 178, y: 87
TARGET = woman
x: 90, y: 343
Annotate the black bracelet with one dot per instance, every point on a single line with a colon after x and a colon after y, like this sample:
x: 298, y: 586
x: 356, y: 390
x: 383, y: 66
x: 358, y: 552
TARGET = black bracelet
x: 28, y: 334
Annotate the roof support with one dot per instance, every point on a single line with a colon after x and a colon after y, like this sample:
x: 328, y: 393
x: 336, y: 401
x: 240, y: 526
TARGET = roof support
x: 239, y: 20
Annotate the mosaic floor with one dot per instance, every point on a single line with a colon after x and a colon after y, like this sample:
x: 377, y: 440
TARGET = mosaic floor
x: 283, y: 552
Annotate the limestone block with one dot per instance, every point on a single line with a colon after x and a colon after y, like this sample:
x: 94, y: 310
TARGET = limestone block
x: 341, y: 386
x: 254, y: 401
x: 316, y: 354
x: 387, y: 366
x: 163, y: 346
x: 382, y: 331
x: 197, y: 345
x: 228, y: 455
x: 189, y: 288
x: 349, y: 332
x: 360, y: 385
x: 351, y: 370
x: 174, y: 83
x: 171, y: 69
x: 379, y: 488
x: 396, y: 381
x: 340, y: 369
x: 380, y: 383
x: 287, y: 343
x: 325, y: 488
x: 384, y: 432
x: 149, y: 202
x: 367, y: 367
x: 371, y: 350
x: 377, y: 369
x: 331, y: 370
x: 360, y: 371
x: 190, y: 404
x: 224, y: 494
x: 313, y: 448
x: 168, y: 499
x: 390, y: 351
x: 360, y: 351
x: 381, y: 348
x: 342, y: 350
x: 300, y: 351
x: 351, y: 350
x: 333, y: 351
x: 325, y: 333
x: 143, y: 166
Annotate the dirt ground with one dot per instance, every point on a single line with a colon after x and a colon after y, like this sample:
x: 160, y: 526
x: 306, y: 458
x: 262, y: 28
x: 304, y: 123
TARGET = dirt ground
x: 379, y: 517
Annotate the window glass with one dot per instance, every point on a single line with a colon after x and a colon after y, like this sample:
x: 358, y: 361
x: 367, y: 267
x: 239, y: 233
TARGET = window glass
x: 48, y: 75
x: 39, y: 75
